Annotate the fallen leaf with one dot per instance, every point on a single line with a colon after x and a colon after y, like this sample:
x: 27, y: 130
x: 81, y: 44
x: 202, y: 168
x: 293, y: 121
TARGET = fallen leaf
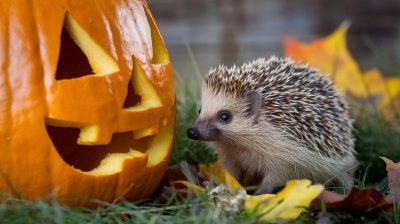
x: 358, y: 199
x: 287, y: 204
x: 215, y: 173
x: 331, y: 197
x: 393, y: 170
x: 190, y: 185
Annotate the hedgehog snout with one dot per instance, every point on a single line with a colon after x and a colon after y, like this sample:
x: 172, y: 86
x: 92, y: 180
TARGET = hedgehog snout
x: 203, y: 131
x: 193, y: 133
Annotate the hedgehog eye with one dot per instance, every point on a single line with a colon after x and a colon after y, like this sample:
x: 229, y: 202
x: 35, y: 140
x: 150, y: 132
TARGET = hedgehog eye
x: 200, y: 110
x: 225, y: 116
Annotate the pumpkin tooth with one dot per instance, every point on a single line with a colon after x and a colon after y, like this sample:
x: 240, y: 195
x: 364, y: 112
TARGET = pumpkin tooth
x: 92, y: 135
x: 113, y: 163
x: 88, y: 134
x: 157, y: 150
x: 145, y: 132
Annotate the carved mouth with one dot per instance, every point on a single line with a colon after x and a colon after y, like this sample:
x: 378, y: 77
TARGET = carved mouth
x: 88, y: 157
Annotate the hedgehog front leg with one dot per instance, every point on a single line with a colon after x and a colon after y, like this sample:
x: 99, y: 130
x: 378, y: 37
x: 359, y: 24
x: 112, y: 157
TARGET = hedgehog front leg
x: 269, y: 184
x: 232, y: 169
x: 265, y: 187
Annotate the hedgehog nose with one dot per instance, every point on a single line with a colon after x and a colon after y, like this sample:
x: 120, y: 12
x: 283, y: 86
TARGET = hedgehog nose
x: 193, y: 133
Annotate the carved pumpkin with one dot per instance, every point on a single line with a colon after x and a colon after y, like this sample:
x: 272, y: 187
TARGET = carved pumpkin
x: 86, y: 100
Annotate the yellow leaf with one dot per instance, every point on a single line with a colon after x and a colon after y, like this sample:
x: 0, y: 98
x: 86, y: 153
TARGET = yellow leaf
x: 393, y: 86
x: 287, y: 204
x: 385, y: 89
x: 392, y: 101
x: 190, y: 185
x: 332, y: 57
x: 215, y: 173
x: 378, y: 85
x: 253, y: 202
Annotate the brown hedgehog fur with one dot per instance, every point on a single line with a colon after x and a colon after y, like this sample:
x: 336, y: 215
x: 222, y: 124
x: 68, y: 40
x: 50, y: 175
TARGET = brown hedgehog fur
x: 302, y: 128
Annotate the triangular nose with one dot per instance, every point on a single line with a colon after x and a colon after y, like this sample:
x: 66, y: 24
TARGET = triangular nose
x: 132, y: 99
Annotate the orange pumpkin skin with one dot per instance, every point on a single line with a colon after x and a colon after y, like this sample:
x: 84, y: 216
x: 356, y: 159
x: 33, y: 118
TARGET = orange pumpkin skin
x: 123, y: 44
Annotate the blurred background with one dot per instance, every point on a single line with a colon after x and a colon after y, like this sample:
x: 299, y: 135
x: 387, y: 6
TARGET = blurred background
x: 201, y: 34
x: 236, y: 31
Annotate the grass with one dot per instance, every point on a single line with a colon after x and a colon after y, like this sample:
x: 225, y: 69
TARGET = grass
x: 191, y: 211
x: 50, y: 211
x: 375, y: 136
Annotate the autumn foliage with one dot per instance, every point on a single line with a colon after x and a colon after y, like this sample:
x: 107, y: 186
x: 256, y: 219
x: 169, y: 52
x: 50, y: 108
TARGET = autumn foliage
x: 332, y: 57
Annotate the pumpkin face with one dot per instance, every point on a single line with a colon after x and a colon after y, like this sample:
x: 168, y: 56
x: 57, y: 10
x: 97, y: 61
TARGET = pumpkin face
x: 86, y: 100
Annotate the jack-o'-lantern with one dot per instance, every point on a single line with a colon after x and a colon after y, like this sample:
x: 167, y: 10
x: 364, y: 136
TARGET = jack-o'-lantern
x: 86, y: 100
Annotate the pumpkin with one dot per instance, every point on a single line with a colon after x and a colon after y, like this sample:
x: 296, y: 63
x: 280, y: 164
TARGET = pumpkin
x: 86, y: 100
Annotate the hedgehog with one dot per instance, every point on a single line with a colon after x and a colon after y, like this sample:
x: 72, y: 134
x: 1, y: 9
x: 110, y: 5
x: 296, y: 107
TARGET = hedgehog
x: 276, y: 120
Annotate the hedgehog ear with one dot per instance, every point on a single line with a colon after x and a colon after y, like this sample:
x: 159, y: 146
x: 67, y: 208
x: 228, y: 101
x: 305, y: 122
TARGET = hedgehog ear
x: 253, y: 99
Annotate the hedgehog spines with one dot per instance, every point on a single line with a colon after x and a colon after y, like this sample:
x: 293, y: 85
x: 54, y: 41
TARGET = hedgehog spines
x: 296, y: 99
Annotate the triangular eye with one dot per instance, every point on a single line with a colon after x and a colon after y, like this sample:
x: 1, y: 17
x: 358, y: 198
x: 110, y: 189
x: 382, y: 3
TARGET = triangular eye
x: 80, y: 55
x: 72, y: 62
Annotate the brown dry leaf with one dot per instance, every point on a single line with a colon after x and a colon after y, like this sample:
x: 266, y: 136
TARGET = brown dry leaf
x: 393, y: 170
x: 358, y: 199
